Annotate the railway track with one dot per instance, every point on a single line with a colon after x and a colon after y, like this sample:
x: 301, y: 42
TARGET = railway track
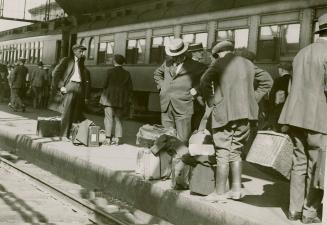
x: 86, y: 210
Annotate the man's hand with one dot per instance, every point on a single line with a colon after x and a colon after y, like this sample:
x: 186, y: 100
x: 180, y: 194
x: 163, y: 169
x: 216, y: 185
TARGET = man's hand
x: 200, y: 100
x: 284, y: 129
x: 63, y: 90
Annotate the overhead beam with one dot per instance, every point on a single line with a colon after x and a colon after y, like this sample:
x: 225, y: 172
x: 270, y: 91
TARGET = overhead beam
x: 18, y: 19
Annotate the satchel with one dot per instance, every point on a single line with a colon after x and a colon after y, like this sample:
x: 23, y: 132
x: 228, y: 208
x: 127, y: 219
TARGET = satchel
x: 148, y: 134
x: 200, y: 142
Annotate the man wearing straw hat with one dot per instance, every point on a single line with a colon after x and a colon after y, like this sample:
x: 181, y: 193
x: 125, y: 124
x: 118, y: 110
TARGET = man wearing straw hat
x: 178, y: 81
x: 305, y: 113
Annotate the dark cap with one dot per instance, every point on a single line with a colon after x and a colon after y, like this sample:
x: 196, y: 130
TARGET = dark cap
x: 119, y: 59
x: 286, y: 66
x: 40, y: 63
x: 195, y: 47
x: 78, y: 46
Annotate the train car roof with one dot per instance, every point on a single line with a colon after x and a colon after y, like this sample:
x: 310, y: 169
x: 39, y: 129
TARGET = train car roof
x: 79, y: 7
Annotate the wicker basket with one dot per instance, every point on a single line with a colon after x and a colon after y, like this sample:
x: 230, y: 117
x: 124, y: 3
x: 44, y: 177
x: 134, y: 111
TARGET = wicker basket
x: 272, y: 150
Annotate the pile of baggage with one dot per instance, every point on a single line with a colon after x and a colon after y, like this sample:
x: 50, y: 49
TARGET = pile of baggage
x: 163, y: 156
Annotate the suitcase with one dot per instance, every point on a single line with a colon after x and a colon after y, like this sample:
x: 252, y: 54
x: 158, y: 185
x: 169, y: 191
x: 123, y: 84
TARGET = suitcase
x: 180, y: 175
x: 153, y: 167
x: 48, y: 126
x: 147, y: 134
x: 274, y: 150
x: 86, y: 133
x: 202, y: 179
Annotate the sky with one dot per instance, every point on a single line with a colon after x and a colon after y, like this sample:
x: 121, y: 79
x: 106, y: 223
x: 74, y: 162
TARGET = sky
x: 15, y: 8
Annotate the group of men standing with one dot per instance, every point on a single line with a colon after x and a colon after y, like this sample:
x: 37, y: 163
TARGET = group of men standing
x: 234, y: 100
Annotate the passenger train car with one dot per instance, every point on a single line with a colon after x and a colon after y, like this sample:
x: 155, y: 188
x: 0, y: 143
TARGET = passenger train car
x: 274, y: 30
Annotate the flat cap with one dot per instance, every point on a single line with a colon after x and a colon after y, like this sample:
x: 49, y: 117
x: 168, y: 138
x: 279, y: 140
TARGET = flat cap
x: 220, y: 46
x: 286, y: 66
x: 195, y: 47
x: 78, y: 46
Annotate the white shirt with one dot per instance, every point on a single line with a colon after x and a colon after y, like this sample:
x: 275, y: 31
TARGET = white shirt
x: 179, y: 66
x: 76, y: 77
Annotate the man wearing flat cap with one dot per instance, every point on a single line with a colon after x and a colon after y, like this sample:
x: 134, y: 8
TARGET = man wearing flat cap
x: 305, y: 113
x: 72, y: 79
x: 235, y: 104
x: 178, y: 82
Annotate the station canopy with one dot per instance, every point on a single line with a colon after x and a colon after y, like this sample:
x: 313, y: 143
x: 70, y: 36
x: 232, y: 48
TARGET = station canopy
x: 80, y: 7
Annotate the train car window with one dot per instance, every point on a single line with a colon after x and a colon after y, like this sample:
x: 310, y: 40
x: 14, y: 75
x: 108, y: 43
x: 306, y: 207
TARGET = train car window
x: 40, y: 51
x: 316, y: 27
x: 157, y: 52
x: 91, y: 48
x: 135, y: 51
x: 278, y: 42
x: 239, y: 36
x: 36, y: 52
x: 106, y: 52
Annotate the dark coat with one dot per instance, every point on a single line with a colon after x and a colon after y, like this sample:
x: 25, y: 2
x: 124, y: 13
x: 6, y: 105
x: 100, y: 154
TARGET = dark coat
x: 235, y: 97
x: 18, y: 77
x: 280, y: 88
x: 306, y: 105
x: 175, y: 88
x: 64, y: 71
x: 38, y: 77
x: 117, y: 89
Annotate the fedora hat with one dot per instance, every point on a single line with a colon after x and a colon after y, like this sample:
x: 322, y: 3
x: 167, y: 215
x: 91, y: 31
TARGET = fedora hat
x: 322, y: 21
x: 176, y: 47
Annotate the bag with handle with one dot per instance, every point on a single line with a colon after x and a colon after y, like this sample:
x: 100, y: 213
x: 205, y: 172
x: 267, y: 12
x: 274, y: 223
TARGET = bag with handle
x: 148, y: 134
x: 200, y: 142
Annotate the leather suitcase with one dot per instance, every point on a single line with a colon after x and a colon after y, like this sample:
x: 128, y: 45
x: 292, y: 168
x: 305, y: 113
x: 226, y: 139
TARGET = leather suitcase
x: 274, y: 150
x: 48, y: 126
x: 202, y: 179
x: 87, y: 133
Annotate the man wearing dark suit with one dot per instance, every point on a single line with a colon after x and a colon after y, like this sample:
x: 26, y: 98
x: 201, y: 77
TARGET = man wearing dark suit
x: 178, y: 81
x: 115, y: 98
x: 235, y: 104
x: 3, y: 81
x: 37, y: 79
x: 72, y: 79
x: 305, y: 113
x: 18, y: 85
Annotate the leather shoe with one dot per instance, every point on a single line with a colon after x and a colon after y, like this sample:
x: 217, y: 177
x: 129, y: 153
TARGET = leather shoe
x: 307, y: 220
x: 294, y: 215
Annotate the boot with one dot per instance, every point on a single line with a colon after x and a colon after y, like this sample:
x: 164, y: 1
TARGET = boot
x: 236, y: 171
x: 220, y: 194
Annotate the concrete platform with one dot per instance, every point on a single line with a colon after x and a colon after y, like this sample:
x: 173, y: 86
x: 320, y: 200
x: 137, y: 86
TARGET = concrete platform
x: 111, y: 169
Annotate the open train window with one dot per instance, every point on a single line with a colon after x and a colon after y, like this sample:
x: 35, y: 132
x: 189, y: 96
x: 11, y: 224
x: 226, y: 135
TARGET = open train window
x: 316, y: 27
x: 91, y: 48
x: 135, y: 51
x: 106, y: 52
x: 239, y: 36
x: 278, y: 42
x: 157, y: 52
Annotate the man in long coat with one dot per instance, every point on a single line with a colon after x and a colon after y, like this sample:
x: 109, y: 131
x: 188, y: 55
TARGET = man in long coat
x: 72, y: 79
x: 178, y: 81
x: 18, y: 85
x: 305, y: 111
x: 235, y: 104
x: 37, y: 79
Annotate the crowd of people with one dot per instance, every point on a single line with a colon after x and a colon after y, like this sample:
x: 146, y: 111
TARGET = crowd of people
x: 18, y: 85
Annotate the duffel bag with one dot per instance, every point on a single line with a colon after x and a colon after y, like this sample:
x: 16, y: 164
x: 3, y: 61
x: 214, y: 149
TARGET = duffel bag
x: 148, y: 134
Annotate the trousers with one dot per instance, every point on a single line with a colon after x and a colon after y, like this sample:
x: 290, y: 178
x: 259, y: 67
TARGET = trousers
x: 181, y: 122
x: 230, y: 139
x: 112, y: 119
x: 73, y: 106
x: 303, y: 197
x: 16, y: 98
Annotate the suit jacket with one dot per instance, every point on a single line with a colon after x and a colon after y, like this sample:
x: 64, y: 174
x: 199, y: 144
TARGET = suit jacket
x: 235, y: 97
x: 38, y: 77
x: 18, y: 77
x: 306, y: 105
x: 175, y: 88
x: 64, y: 71
x: 117, y: 89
